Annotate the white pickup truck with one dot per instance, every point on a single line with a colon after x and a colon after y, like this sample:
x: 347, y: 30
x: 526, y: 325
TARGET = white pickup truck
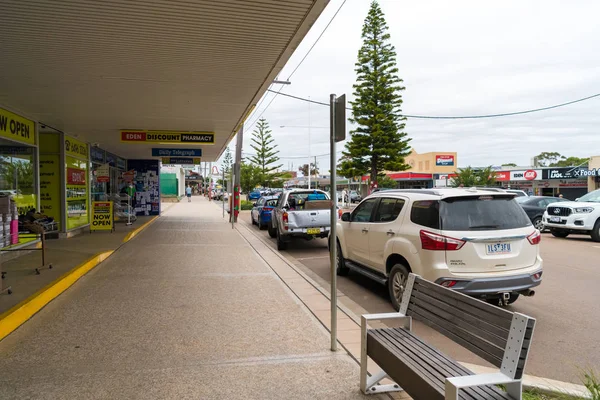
x: 303, y: 214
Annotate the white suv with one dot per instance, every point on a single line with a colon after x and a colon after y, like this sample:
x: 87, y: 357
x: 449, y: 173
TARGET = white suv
x: 477, y: 242
x: 580, y: 216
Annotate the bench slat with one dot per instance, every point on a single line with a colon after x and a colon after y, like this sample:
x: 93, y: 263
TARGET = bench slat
x: 449, y: 293
x: 460, y: 318
x: 420, y: 369
x: 439, y: 361
x: 426, y: 318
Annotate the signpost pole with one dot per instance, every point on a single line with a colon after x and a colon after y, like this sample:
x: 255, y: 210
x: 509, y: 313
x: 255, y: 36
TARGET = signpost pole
x: 332, y: 229
x: 237, y: 169
x: 224, y: 189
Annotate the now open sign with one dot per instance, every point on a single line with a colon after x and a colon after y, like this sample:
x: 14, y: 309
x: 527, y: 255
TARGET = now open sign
x: 102, y: 216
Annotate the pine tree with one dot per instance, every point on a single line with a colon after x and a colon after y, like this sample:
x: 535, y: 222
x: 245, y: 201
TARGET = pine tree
x: 378, y: 143
x: 266, y: 152
x: 226, y: 166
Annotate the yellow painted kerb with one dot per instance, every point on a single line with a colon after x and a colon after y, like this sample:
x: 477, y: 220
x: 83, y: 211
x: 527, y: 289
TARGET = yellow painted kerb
x: 132, y: 234
x: 16, y: 316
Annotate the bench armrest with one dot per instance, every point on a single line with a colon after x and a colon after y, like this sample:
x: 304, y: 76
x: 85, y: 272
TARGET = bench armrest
x: 453, y: 385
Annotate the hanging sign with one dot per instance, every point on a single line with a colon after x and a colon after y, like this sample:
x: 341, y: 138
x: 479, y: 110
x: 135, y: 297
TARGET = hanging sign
x: 103, y: 173
x: 102, y: 216
x: 176, y: 152
x: 181, y: 160
x: 76, y: 148
x: 141, y: 136
x: 15, y: 127
x: 129, y: 175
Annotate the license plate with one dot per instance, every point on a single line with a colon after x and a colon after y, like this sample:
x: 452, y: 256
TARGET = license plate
x: 554, y: 219
x: 313, y: 231
x: 498, y: 248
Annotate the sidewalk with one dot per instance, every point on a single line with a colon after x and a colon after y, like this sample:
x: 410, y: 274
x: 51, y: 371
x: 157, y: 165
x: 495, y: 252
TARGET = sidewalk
x: 187, y: 309
x: 63, y: 254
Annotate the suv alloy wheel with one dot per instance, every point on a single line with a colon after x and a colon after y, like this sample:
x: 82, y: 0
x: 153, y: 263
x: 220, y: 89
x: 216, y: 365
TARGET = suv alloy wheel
x: 397, y: 283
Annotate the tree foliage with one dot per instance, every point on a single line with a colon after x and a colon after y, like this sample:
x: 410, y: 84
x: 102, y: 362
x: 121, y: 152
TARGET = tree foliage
x: 385, y: 182
x: 314, y: 169
x: 17, y: 175
x: 555, y: 159
x: 509, y: 165
x: 469, y: 177
x: 266, y: 155
x: 250, y: 177
x: 226, y: 166
x: 379, y: 142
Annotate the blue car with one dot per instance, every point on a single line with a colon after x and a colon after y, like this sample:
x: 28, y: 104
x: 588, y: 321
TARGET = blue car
x: 261, y: 212
x: 254, y: 195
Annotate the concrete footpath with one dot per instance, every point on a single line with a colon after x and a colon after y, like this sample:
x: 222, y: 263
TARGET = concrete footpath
x: 187, y: 309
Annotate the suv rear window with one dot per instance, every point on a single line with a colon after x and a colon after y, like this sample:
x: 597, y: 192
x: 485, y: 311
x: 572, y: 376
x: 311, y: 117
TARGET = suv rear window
x: 470, y: 213
x: 482, y: 213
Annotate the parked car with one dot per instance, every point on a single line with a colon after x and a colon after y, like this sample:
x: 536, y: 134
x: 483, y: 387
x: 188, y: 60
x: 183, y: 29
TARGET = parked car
x: 254, y: 195
x: 261, y: 212
x: 580, y: 216
x: 535, y: 206
x: 300, y: 214
x: 355, y: 197
x: 518, y: 193
x: 477, y: 242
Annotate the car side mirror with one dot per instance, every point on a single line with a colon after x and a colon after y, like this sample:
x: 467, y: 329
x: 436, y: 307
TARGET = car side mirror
x: 346, y: 217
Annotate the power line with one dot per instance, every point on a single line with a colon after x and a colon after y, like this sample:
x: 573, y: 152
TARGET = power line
x: 297, y: 66
x: 461, y: 117
x: 317, y: 41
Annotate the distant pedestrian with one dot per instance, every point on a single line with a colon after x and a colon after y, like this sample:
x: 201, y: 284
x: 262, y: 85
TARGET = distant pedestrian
x: 344, y: 196
x: 188, y: 193
x: 560, y: 196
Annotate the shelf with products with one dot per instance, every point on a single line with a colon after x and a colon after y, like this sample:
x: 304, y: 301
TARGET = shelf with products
x: 83, y: 198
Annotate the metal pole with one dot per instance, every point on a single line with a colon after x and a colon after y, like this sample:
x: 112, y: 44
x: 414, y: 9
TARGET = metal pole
x: 332, y: 229
x: 308, y: 170
x: 232, y: 200
x: 225, y: 190
x: 238, y: 163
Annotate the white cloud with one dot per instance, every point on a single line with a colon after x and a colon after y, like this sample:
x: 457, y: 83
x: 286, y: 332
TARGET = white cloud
x: 460, y: 58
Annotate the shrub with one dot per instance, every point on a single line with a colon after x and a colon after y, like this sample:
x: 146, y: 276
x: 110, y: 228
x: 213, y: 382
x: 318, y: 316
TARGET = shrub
x: 246, y: 205
x: 592, y: 383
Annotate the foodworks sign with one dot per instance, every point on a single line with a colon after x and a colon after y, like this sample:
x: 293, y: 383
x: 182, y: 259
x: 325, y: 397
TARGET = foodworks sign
x: 570, y: 173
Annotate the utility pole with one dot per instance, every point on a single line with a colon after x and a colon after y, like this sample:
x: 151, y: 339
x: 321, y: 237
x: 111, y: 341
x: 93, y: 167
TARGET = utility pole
x: 309, y: 142
x: 238, y: 165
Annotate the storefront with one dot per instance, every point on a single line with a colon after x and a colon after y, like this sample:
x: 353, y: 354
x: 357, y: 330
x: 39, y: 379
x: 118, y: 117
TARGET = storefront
x: 107, y: 173
x: 77, y: 172
x: 571, y: 182
x: 18, y: 176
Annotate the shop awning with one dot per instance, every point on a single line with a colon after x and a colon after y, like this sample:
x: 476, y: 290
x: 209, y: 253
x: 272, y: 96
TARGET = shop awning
x: 91, y: 68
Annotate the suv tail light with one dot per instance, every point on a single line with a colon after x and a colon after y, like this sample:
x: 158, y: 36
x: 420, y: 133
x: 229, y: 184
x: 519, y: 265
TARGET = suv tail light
x: 433, y: 241
x: 535, y: 237
x: 284, y: 218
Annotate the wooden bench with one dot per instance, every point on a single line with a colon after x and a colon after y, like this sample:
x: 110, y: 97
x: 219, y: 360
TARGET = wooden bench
x: 499, y: 336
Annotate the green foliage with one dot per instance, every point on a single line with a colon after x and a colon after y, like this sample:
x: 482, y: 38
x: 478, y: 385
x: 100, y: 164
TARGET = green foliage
x: 509, y: 165
x: 17, y: 175
x: 469, y: 177
x: 378, y: 143
x: 554, y: 159
x: 385, y: 182
x: 266, y: 152
x: 226, y: 167
x: 246, y: 205
x: 592, y: 383
x: 250, y: 177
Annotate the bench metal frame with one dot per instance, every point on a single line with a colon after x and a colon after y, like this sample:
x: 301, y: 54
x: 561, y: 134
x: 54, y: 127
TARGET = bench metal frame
x: 507, y: 375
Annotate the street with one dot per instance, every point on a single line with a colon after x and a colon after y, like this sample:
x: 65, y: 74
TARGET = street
x: 566, y: 304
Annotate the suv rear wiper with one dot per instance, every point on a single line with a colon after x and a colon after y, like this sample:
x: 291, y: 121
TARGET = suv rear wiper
x: 483, y: 226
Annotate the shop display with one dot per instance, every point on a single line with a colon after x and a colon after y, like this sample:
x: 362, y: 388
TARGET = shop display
x: 77, y: 190
x: 146, y: 200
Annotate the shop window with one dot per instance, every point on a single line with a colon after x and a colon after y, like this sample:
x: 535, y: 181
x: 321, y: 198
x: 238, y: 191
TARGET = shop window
x: 17, y: 176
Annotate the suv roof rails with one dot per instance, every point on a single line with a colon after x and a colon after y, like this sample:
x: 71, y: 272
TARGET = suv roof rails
x: 421, y: 191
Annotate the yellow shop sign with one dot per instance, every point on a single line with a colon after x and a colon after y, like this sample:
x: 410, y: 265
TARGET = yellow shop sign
x: 15, y: 127
x: 76, y: 148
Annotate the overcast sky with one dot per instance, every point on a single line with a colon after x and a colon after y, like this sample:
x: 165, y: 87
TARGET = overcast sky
x: 458, y: 58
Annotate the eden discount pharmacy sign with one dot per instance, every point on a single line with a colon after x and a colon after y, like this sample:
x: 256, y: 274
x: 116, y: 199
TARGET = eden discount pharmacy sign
x: 167, y: 137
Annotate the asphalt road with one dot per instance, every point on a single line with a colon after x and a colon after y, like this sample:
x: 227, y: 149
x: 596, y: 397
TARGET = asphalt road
x: 566, y: 305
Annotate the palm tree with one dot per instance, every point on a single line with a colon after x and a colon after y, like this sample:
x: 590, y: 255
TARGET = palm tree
x: 469, y: 177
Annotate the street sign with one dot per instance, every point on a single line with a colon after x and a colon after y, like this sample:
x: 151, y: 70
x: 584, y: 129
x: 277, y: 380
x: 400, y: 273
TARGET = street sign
x: 142, y: 136
x: 176, y: 152
x: 340, y: 118
x: 102, y: 216
x: 181, y: 160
